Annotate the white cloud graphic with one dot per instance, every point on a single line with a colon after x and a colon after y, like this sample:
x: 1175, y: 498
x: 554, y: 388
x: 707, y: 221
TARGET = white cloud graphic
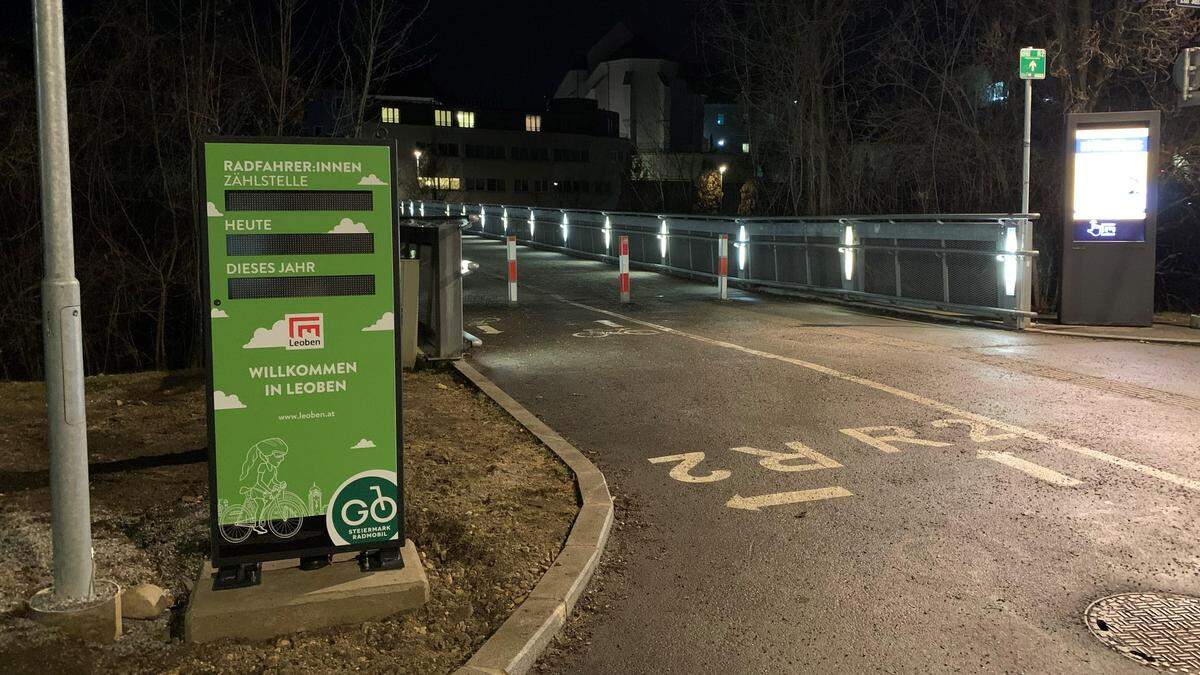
x: 266, y: 338
x: 348, y: 226
x: 363, y: 444
x: 371, y: 179
x: 213, y: 212
x: 223, y: 401
x: 218, y: 313
x: 385, y: 322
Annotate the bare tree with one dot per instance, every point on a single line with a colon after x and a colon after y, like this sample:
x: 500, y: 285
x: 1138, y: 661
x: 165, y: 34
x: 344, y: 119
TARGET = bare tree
x: 787, y: 59
x: 287, y: 74
x: 378, y: 40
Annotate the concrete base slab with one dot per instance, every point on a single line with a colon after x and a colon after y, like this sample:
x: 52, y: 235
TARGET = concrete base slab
x: 97, y: 622
x: 290, y: 599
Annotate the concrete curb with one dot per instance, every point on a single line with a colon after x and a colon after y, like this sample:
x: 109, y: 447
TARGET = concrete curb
x: 1188, y: 342
x: 517, y: 644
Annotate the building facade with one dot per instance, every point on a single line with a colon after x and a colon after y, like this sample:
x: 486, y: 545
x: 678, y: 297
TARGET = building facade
x: 726, y: 129
x: 656, y: 107
x: 569, y: 155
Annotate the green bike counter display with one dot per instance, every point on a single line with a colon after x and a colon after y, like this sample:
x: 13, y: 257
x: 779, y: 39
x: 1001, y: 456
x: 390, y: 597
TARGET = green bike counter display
x: 304, y: 380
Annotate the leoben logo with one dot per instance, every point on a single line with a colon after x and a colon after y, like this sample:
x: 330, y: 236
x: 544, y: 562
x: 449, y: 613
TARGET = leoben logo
x: 305, y: 331
x: 364, y: 509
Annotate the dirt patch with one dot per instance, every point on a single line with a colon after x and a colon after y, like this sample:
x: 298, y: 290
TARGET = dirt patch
x: 488, y: 507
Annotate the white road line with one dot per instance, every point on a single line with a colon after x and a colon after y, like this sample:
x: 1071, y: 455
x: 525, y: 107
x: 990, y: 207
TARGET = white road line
x: 484, y: 328
x: 1036, y: 470
x: 610, y: 324
x: 1098, y: 455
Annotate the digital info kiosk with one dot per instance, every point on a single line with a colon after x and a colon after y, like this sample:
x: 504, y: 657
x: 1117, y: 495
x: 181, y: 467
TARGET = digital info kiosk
x: 1109, y: 221
x: 305, y: 452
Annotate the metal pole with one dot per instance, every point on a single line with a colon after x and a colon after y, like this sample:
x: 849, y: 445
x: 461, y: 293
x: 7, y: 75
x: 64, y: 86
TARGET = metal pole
x: 623, y: 267
x: 1025, y: 266
x: 512, y: 267
x: 1025, y: 165
x: 62, y: 333
x: 723, y: 267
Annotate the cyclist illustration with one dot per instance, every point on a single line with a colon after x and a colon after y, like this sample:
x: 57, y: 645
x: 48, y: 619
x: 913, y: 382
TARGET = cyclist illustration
x: 267, y: 505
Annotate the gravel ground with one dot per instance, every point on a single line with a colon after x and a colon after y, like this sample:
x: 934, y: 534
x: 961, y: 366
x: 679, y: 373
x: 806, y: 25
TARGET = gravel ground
x: 489, y: 508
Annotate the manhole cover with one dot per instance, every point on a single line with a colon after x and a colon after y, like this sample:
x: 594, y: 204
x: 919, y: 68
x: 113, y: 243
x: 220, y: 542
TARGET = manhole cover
x: 1157, y: 629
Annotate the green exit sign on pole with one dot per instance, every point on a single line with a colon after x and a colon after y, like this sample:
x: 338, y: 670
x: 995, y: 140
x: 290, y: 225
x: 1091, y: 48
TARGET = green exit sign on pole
x: 1033, y: 64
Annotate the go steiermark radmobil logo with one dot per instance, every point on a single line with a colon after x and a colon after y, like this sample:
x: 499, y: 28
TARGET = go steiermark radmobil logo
x: 362, y: 509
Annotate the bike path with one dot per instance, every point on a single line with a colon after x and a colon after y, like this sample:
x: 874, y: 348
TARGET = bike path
x: 780, y: 529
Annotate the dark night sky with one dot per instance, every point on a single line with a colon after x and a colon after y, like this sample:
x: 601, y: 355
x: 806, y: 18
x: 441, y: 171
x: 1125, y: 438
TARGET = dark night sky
x: 513, y: 53
x: 502, y: 53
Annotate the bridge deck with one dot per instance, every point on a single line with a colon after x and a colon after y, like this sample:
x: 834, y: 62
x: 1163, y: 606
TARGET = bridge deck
x: 805, y: 486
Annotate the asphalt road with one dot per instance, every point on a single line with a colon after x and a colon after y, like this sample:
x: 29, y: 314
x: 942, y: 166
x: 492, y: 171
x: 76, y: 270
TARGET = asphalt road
x: 1026, y: 475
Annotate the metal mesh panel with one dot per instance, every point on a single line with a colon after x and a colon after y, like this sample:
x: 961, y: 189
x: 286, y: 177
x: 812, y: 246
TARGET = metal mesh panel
x: 704, y: 255
x: 921, y: 272
x: 686, y: 251
x: 677, y: 252
x: 790, y: 261
x: 761, y: 258
x: 643, y: 247
x: 299, y: 200
x: 826, y: 262
x: 975, y: 279
x: 589, y: 239
x: 298, y: 244
x: 243, y: 288
x: 879, y: 267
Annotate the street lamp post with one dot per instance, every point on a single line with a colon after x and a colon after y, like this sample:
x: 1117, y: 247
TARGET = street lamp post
x: 76, y: 601
x: 62, y: 327
x: 417, y: 157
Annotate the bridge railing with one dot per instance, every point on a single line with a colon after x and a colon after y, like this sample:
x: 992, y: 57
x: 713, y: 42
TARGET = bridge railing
x: 979, y: 265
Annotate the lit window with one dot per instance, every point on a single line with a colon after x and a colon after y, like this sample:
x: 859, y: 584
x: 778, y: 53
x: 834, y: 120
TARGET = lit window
x: 441, y: 118
x: 720, y: 142
x: 391, y: 115
x: 720, y: 119
x: 746, y: 148
x: 440, y: 182
x: 466, y: 120
x: 533, y: 123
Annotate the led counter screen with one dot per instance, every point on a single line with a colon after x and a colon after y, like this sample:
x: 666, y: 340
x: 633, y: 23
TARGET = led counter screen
x: 299, y: 200
x: 298, y: 244
x: 252, y: 288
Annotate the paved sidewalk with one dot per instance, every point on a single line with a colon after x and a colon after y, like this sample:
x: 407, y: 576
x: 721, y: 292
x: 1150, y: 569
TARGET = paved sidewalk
x: 1168, y: 333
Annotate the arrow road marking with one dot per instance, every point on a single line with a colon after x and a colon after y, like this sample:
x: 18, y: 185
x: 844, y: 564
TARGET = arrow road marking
x: 781, y: 498
x: 1036, y: 470
x: 610, y: 324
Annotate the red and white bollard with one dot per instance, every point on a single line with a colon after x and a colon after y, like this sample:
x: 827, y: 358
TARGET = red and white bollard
x: 723, y: 267
x: 623, y: 244
x: 512, y: 268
